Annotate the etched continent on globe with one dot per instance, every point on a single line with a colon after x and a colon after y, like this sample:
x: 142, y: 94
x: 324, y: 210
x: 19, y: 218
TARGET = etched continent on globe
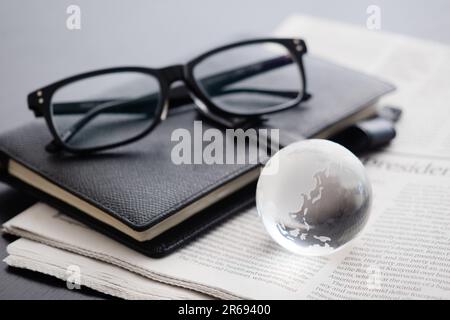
x: 319, y: 208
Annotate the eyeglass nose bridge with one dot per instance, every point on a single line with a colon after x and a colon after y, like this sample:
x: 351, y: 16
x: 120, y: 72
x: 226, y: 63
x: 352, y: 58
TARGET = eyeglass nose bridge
x: 172, y: 74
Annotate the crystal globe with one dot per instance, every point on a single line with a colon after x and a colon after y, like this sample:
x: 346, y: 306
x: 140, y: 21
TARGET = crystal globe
x: 313, y: 196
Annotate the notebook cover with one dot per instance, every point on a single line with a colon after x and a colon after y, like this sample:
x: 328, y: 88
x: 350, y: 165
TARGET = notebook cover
x: 139, y: 185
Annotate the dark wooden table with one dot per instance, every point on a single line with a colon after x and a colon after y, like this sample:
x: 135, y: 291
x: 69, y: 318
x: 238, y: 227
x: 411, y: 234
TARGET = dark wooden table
x: 36, y: 48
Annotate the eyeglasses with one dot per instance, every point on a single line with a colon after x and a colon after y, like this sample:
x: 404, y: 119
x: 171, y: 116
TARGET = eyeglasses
x: 108, y: 108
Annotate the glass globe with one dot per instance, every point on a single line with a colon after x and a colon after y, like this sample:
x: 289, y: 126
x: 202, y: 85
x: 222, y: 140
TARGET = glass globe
x: 313, y: 197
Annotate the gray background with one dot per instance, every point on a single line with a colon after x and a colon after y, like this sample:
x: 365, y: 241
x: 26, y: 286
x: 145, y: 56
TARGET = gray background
x: 36, y: 48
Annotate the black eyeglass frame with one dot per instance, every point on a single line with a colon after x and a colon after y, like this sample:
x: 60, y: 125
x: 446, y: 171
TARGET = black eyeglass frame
x: 39, y: 101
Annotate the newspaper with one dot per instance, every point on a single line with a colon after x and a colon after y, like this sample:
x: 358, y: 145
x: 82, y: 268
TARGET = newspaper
x: 403, y: 251
x: 420, y: 69
x: 97, y: 275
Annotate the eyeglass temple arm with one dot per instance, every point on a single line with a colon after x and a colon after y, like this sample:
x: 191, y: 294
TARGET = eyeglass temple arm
x: 91, y: 114
x: 118, y: 105
x: 218, y: 81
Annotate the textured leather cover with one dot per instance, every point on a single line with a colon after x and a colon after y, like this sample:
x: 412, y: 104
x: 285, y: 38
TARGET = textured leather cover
x: 139, y: 185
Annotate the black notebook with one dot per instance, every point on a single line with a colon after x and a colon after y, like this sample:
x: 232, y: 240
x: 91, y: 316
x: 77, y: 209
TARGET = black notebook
x: 138, y: 196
